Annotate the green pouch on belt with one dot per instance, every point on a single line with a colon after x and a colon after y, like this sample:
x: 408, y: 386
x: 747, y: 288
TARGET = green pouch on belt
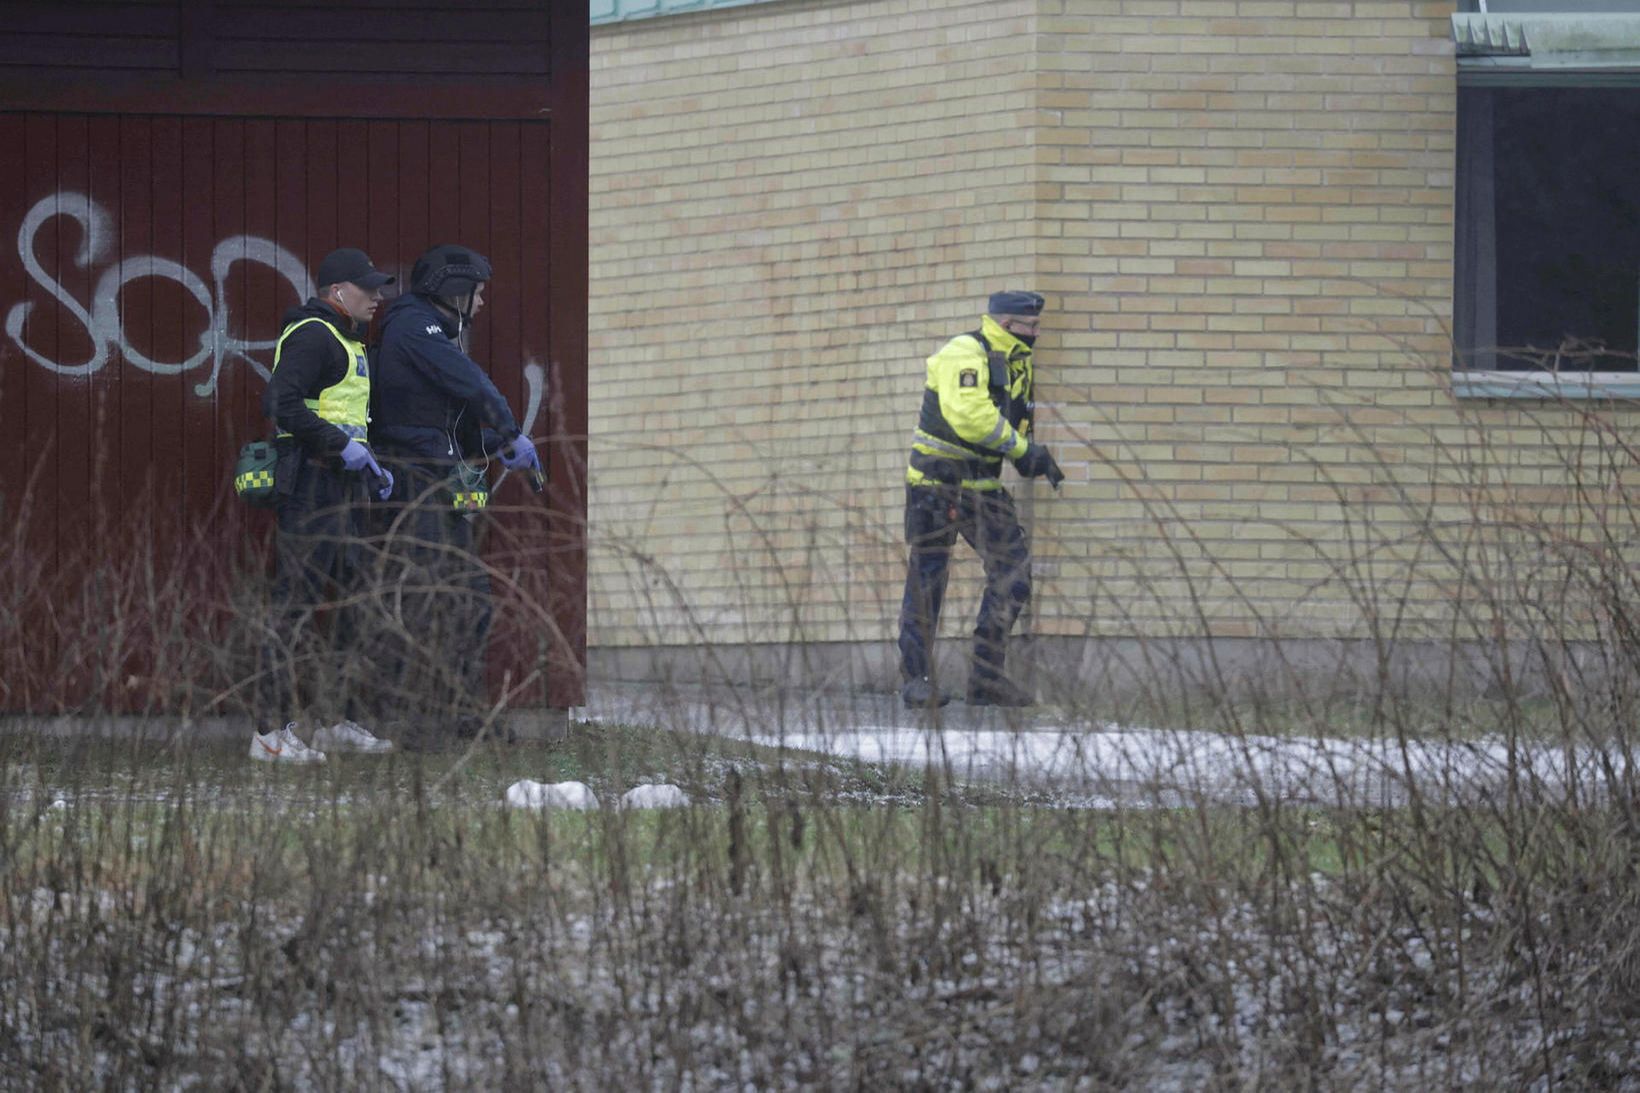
x: 253, y: 473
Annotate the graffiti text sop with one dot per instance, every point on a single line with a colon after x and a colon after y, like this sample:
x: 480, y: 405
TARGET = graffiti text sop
x: 102, y: 321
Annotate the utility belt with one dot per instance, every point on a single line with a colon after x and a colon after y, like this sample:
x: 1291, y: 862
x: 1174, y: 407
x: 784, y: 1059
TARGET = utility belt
x: 292, y: 456
x: 951, y: 471
x: 266, y: 471
x: 290, y: 448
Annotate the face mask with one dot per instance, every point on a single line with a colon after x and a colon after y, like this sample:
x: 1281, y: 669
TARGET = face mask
x: 1028, y: 339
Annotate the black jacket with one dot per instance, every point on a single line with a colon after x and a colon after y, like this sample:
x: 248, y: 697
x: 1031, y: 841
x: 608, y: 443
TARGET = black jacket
x: 426, y: 394
x: 310, y: 361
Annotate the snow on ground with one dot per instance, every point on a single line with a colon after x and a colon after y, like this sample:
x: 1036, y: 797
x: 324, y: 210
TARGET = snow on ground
x: 527, y: 793
x: 663, y: 795
x: 1108, y: 763
x: 1187, y: 764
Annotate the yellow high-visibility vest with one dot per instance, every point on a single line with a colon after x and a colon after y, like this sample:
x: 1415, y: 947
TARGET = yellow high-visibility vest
x: 345, y: 405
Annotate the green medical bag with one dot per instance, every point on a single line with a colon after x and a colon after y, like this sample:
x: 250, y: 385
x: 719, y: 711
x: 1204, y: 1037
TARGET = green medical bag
x: 253, y: 473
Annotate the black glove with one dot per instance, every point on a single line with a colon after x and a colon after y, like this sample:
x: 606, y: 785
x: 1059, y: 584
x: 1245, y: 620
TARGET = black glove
x: 1037, y: 462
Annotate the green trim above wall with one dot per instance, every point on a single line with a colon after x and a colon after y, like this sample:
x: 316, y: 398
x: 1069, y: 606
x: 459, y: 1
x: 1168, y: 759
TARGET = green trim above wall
x: 1547, y: 42
x: 618, y: 11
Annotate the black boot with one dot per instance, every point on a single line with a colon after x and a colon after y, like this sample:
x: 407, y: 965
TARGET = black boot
x: 997, y: 691
x: 920, y: 694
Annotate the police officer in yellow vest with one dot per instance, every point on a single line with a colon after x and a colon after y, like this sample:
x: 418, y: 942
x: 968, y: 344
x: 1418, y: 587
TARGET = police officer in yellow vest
x: 976, y: 411
x: 318, y: 398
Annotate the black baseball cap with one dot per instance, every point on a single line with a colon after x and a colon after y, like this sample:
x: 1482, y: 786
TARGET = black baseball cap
x: 351, y: 264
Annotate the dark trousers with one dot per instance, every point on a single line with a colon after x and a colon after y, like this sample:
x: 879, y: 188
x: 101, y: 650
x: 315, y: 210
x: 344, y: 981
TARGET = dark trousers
x: 934, y: 517
x: 318, y: 558
x: 435, y: 603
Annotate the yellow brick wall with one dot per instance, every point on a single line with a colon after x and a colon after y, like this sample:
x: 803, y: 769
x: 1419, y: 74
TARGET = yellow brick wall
x: 1246, y: 217
x: 792, y: 205
x: 1242, y: 217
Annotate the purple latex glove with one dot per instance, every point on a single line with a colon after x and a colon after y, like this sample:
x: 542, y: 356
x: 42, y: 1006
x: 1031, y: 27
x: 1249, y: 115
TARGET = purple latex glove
x: 520, y: 452
x: 356, y: 457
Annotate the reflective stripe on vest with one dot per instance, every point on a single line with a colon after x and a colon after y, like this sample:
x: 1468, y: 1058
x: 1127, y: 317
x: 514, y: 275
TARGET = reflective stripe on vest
x: 345, y: 405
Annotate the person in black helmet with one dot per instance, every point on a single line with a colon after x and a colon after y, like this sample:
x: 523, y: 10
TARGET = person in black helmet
x: 436, y: 421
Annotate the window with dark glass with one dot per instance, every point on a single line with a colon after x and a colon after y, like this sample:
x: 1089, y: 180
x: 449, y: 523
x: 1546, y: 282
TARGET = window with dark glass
x: 1548, y: 229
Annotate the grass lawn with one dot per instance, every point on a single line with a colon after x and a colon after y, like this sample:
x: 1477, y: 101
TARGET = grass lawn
x: 182, y: 916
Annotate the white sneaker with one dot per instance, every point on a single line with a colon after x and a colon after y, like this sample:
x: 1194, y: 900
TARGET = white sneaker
x: 350, y: 736
x: 283, y: 746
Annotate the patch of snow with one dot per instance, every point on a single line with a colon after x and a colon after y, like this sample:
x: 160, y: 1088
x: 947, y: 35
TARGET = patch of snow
x: 526, y: 793
x: 1182, y: 765
x: 655, y: 796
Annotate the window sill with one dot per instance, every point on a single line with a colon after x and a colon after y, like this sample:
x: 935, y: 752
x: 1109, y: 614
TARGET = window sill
x: 1468, y: 383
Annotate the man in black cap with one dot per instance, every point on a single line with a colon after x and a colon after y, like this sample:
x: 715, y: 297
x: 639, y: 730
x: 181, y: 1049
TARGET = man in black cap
x: 976, y: 412
x: 319, y: 400
x: 437, y: 421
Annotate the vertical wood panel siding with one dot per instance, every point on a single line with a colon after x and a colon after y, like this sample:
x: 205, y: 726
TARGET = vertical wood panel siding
x: 124, y: 412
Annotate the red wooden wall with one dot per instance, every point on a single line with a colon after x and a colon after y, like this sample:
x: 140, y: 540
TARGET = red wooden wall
x: 170, y: 175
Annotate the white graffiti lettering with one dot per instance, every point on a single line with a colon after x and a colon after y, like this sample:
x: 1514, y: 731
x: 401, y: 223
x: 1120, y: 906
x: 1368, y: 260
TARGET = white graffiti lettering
x: 102, y: 321
x: 535, y: 386
x: 105, y: 326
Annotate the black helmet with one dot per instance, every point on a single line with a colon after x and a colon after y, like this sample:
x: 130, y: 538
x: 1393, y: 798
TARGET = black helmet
x: 449, y: 270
